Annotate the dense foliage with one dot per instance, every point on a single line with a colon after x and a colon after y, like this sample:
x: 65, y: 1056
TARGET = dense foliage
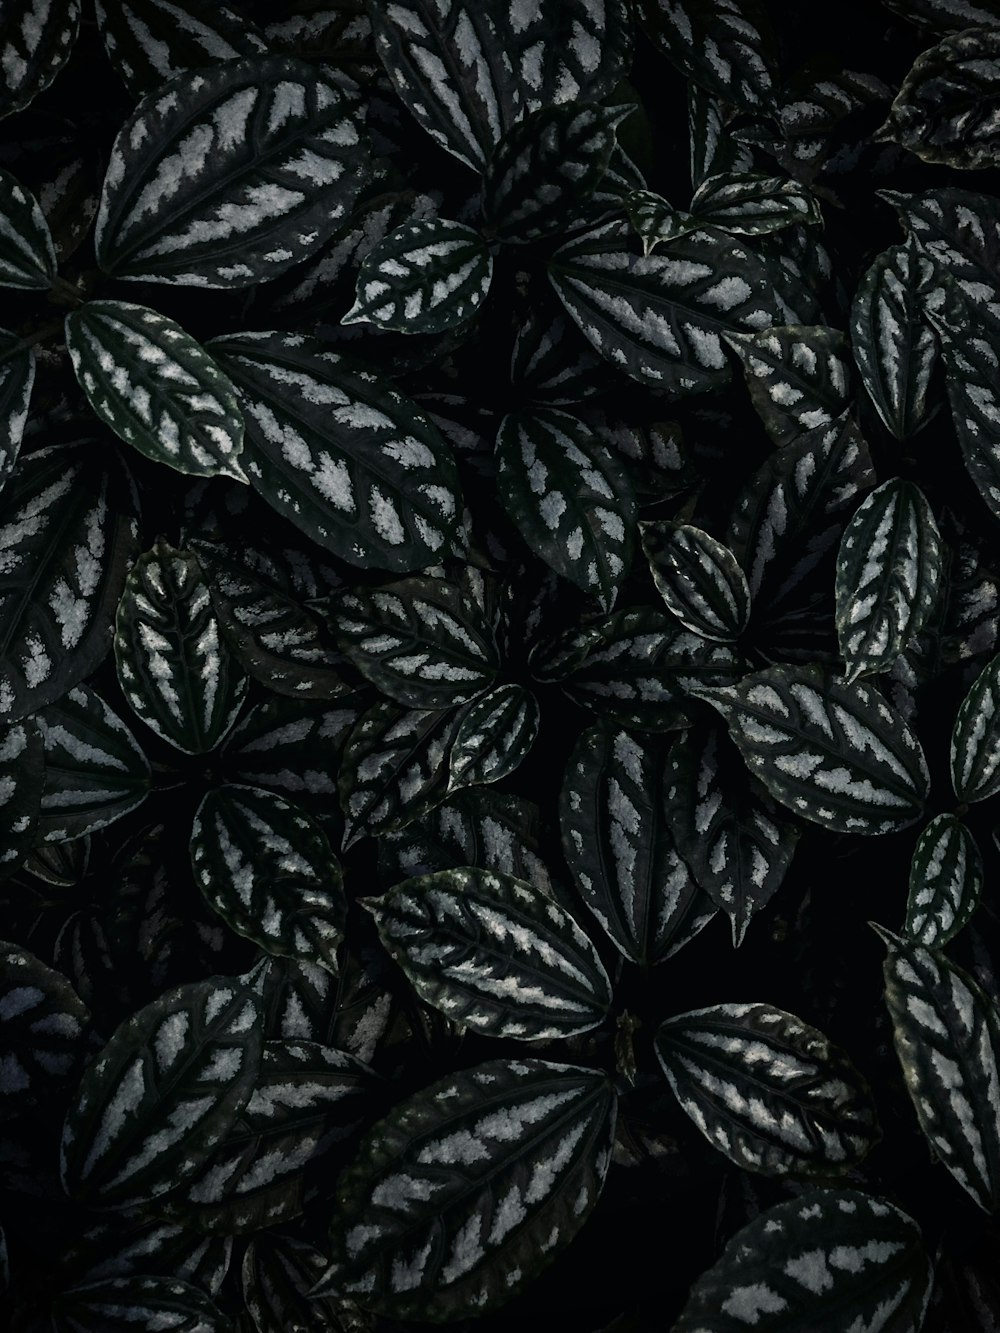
x: 499, y: 665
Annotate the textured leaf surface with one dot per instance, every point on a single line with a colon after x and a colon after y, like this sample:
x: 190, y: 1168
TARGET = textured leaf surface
x: 470, y: 1187
x: 349, y: 460
x: 889, y: 570
x: 137, y: 1303
x: 975, y: 738
x: 27, y: 255
x: 712, y: 150
x: 722, y: 45
x: 153, y: 1105
x: 752, y: 204
x: 495, y: 734
x: 495, y: 954
x: 173, y: 665
x: 290, y: 747
x: 424, y: 277
x: 263, y: 158
x: 767, y: 1090
x: 278, y: 1273
x: 22, y: 775
x: 569, y: 497
x: 67, y: 533
x: 836, y: 754
x: 798, y: 377
x: 620, y: 847
x: 422, y: 641
x: 946, y: 882
x: 42, y: 1027
x: 654, y: 220
x: 947, y: 1035
x: 836, y: 1260
x: 156, y: 388
x: 17, y: 378
x: 567, y: 51
x: 36, y: 38
x: 698, y: 578
x: 268, y: 870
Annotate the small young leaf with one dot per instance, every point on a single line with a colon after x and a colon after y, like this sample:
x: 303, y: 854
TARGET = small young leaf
x: 712, y: 149
x: 654, y: 220
x: 27, y: 255
x: 698, y: 578
x: 290, y: 747
x: 946, y: 881
x: 495, y: 734
x: 975, y: 738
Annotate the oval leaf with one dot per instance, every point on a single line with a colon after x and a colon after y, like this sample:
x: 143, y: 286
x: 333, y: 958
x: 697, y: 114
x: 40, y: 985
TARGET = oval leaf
x: 751, y: 204
x: 722, y: 45
x: 36, y: 39
x: 798, y: 376
x: 975, y: 738
x: 946, y: 881
x: 495, y: 734
x: 698, y: 578
x: 27, y: 255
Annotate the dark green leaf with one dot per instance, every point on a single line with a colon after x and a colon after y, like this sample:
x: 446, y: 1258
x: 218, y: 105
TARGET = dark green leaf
x: 943, y: 15
x: 27, y: 255
x: 137, y: 1303
x: 17, y: 378
x: 751, y: 204
x: 712, y: 149
x: 278, y: 1273
x: 723, y: 45
x: 36, y: 39
x: 22, y: 776
x: 42, y: 1027
x: 291, y: 748
x: 946, y: 881
x: 975, y: 738
x: 798, y: 377
x: 495, y: 734
x: 654, y: 220
x: 698, y: 578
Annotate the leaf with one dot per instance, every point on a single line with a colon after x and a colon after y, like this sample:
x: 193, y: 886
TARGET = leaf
x: 712, y: 150
x: 946, y: 882
x: 278, y: 1272
x: 660, y: 317
x: 154, y: 1104
x: 36, y: 39
x: 975, y: 739
x: 752, y: 204
x: 290, y: 748
x: 423, y: 642
x: 138, y: 1303
x: 22, y: 776
x: 947, y: 1037
x: 95, y: 770
x: 768, y: 1091
x: 835, y: 753
x: 894, y: 347
x: 67, y: 534
x: 156, y: 388
x: 553, y: 363
x: 469, y: 1188
x: 263, y: 157
x: 946, y: 107
x: 17, y: 378
x: 173, y: 666
x: 353, y: 463
x: 737, y: 846
x: 268, y: 870
x: 838, y: 1260
x: 722, y: 45
x: 698, y: 578
x: 798, y: 377
x: 569, y: 497
x: 957, y: 230
x: 566, y: 51
x: 43, y: 1023
x: 149, y: 44
x: 889, y: 571
x: 619, y: 845
x: 494, y: 736
x: 27, y: 255
x: 946, y: 14
x: 424, y: 277
x: 654, y: 220
x: 547, y: 164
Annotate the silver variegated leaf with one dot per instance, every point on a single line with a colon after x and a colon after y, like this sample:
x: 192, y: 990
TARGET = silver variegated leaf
x: 67, y: 533
x: 423, y: 642
x: 494, y: 954
x: 43, y: 1023
x: 947, y: 1036
x: 660, y: 317
x: 130, y: 1243
x: 22, y: 778
x: 36, y: 38
x: 894, y: 346
x: 292, y: 748
x: 155, y: 1103
x: 267, y: 868
x: 836, y: 754
x: 752, y: 204
x: 394, y: 768
x: 278, y: 1273
x: 424, y: 277
x: 712, y: 150
x: 548, y: 163
x: 27, y: 255
x: 95, y: 770
x: 135, y: 1304
x: 770, y: 1092
x: 957, y: 229
x: 723, y: 45
x: 836, y: 1260
x: 156, y: 388
x: 567, y: 50
x: 889, y: 572
x: 569, y: 497
x: 699, y: 579
x: 230, y: 175
x: 947, y: 107
x: 17, y: 378
x: 654, y: 220
x: 348, y: 459
x: 493, y: 737
x: 148, y: 44
x: 553, y: 363
x: 946, y: 882
x: 173, y: 664
x: 798, y: 377
x: 620, y: 847
x: 737, y: 846
x: 975, y: 738
x: 467, y: 1189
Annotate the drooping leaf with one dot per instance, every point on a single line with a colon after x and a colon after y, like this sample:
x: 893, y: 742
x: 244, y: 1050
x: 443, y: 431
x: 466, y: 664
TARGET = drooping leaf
x: 698, y: 578
x: 947, y: 1035
x: 27, y: 255
x: 975, y: 738
x: 154, y: 1104
x: 67, y: 534
x: 269, y: 872
x: 470, y: 1187
x: 173, y: 664
x: 767, y: 1090
x: 264, y: 157
x: 946, y: 882
x: 156, y: 387
x: 569, y: 497
x: 348, y: 459
x: 17, y: 378
x: 752, y: 204
x: 722, y: 45
x: 494, y: 736
x: 120, y: 1304
x: 798, y: 377
x: 36, y: 39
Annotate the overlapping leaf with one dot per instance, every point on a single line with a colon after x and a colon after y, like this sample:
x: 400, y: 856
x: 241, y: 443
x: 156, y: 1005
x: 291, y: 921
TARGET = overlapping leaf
x: 752, y: 204
x: 27, y: 255
x: 798, y: 377
x: 654, y: 220
x: 277, y: 1274
x: 136, y: 1303
x: 946, y: 881
x: 698, y: 578
x: 494, y: 736
x: 43, y: 1023
x: 723, y: 45
x: 975, y: 738
x: 290, y: 747
x: 17, y: 378
x: 36, y: 38
x: 712, y: 150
